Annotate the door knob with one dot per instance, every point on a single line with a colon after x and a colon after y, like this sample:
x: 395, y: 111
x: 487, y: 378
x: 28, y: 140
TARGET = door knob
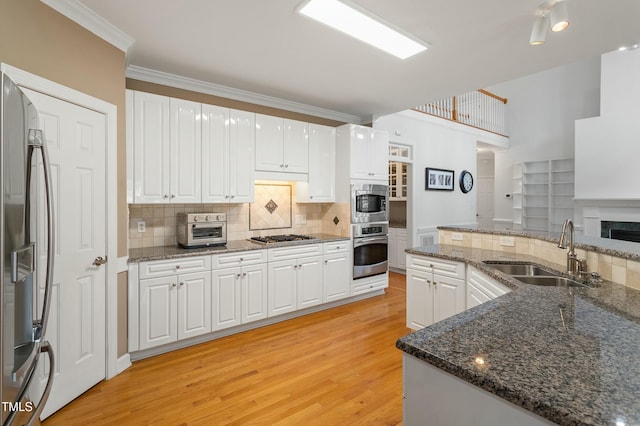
x: 99, y: 260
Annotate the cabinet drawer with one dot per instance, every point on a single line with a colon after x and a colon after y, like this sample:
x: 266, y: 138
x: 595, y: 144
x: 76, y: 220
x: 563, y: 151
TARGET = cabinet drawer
x: 162, y: 268
x: 292, y: 252
x: 336, y: 246
x: 370, y: 284
x: 486, y: 284
x: 446, y: 268
x: 239, y: 258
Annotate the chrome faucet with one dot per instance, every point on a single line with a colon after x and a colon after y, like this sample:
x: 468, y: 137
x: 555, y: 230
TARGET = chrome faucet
x: 574, y: 265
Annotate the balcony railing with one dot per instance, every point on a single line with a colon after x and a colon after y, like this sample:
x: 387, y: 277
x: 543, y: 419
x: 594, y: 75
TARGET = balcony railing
x: 480, y: 108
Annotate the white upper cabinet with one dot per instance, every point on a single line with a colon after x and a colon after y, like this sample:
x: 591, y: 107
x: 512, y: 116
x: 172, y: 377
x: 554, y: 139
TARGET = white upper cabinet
x: 150, y: 148
x: 228, y: 138
x: 321, y: 184
x: 369, y: 154
x: 282, y: 145
x: 166, y: 150
x: 186, y: 152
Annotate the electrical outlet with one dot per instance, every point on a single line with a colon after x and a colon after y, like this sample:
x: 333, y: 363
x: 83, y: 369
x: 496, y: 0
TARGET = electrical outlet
x: 301, y: 219
x: 457, y: 236
x: 142, y: 226
x: 507, y: 241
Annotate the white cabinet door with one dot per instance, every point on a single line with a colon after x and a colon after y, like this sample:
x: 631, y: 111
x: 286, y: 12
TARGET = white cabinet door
x: 369, y: 154
x: 226, y: 300
x: 241, y: 156
x: 254, y: 292
x: 419, y: 299
x: 151, y: 141
x: 228, y: 141
x: 269, y: 139
x: 336, y: 276
x: 158, y: 311
x: 194, y: 304
x: 321, y: 184
x: 295, y: 148
x: 401, y: 246
x: 393, y: 248
x: 186, y: 152
x: 309, y: 281
x: 475, y: 296
x: 449, y: 297
x: 282, y: 285
x: 215, y: 154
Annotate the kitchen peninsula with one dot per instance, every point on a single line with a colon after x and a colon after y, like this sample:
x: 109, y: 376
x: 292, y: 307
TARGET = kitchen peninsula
x: 535, y: 355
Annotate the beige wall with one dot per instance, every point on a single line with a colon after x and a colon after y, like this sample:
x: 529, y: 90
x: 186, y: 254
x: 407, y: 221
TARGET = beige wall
x: 37, y: 39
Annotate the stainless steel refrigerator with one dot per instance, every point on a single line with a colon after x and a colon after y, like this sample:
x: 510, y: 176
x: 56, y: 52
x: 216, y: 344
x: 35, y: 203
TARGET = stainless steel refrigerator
x: 25, y: 308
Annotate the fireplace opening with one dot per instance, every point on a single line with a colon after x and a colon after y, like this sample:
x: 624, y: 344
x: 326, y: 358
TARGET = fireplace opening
x: 625, y: 231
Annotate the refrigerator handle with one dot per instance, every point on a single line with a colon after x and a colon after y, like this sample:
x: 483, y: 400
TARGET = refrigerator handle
x: 36, y: 140
x: 35, y: 414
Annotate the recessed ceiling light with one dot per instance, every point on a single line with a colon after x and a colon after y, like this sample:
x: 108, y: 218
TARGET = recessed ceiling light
x: 363, y: 25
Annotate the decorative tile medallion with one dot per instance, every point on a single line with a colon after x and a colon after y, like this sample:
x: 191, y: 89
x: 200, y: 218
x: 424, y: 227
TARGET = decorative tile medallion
x: 336, y: 220
x: 271, y: 208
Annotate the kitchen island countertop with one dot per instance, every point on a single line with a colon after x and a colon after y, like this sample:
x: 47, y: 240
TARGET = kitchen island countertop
x: 172, y: 252
x: 570, y: 355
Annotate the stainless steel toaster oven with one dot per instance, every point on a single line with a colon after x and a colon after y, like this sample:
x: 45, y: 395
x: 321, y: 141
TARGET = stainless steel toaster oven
x: 201, y: 229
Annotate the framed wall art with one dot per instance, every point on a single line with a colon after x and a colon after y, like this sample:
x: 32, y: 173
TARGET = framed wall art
x: 439, y: 179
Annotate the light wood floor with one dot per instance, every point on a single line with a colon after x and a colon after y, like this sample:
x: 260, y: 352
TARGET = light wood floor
x: 336, y: 367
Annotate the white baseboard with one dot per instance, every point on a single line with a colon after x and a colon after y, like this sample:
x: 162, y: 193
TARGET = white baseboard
x: 123, y: 363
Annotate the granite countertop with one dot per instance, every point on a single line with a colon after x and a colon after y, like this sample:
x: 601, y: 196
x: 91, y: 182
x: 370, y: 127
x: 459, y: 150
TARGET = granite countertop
x: 172, y: 252
x: 618, y: 248
x: 570, y: 355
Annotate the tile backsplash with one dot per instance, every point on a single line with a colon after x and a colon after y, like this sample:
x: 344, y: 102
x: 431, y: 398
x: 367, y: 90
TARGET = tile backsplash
x: 160, y: 221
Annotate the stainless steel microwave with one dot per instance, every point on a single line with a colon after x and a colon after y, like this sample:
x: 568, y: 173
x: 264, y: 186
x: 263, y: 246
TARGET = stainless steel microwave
x: 201, y: 229
x: 369, y: 203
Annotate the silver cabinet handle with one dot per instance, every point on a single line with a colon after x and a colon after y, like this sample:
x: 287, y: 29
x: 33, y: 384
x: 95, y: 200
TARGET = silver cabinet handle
x: 181, y: 284
x: 244, y: 274
x: 281, y: 165
x: 233, y: 196
x: 173, y: 284
x: 177, y: 266
x: 226, y: 196
x: 238, y: 275
x: 241, y: 259
x: 173, y: 196
x: 165, y: 196
x: 98, y: 261
x: 286, y: 165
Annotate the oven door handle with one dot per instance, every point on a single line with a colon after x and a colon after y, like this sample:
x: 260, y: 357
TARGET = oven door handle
x: 357, y: 242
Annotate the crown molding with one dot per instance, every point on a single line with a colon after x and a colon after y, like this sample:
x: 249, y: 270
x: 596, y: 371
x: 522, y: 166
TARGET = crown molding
x: 87, y: 18
x: 180, y: 82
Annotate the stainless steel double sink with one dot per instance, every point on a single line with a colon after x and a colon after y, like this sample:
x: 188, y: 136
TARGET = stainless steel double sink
x: 533, y: 274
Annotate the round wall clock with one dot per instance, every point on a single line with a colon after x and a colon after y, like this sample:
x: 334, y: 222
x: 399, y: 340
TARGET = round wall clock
x: 466, y: 181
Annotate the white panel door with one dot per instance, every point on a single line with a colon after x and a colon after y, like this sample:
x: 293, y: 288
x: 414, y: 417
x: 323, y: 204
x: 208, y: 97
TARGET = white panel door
x: 419, y: 299
x: 186, y: 152
x: 336, y: 277
x: 242, y: 141
x: 269, y: 139
x: 226, y: 306
x: 282, y: 287
x: 449, y: 297
x: 485, y: 201
x: 309, y: 281
x: 158, y: 311
x: 254, y: 292
x: 296, y: 146
x: 194, y: 304
x: 75, y: 139
x: 151, y: 140
x: 215, y: 154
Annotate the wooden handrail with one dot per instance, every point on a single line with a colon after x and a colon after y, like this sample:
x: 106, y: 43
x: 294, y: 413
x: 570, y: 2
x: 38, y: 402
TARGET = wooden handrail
x: 491, y: 95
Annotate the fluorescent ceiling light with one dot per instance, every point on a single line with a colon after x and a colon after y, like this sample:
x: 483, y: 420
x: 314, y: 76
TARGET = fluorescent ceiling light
x: 364, y: 26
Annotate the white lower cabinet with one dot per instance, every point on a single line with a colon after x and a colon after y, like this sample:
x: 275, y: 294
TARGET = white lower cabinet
x: 435, y: 290
x: 482, y: 288
x: 336, y: 272
x: 294, y: 284
x: 397, y: 246
x: 174, y: 307
x: 239, y: 295
x: 239, y: 288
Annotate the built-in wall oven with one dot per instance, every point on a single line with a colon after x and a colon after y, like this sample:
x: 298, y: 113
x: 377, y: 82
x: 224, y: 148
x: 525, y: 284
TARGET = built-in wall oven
x: 201, y: 229
x: 370, y: 249
x: 369, y: 203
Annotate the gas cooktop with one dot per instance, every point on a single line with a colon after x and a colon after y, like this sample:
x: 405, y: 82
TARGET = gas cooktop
x: 272, y: 239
